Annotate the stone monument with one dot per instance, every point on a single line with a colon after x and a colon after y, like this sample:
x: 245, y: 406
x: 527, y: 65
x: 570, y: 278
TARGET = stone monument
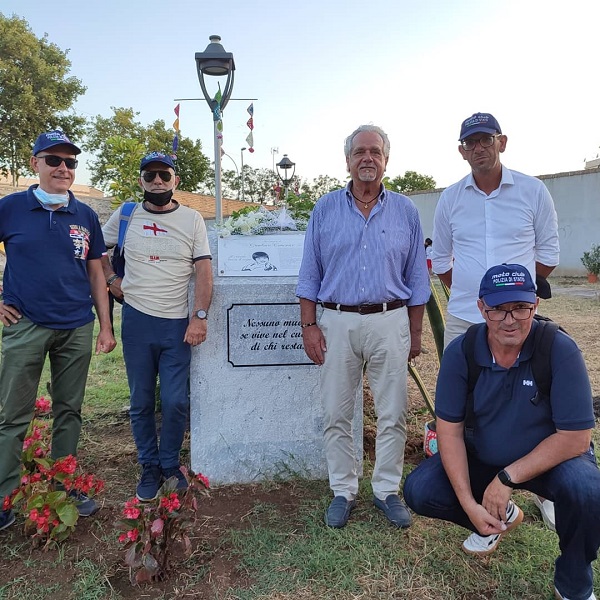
x: 255, y: 402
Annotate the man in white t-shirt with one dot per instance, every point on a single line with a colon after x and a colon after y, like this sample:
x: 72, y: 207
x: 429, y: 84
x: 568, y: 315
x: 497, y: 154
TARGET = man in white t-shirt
x: 492, y: 216
x: 165, y: 245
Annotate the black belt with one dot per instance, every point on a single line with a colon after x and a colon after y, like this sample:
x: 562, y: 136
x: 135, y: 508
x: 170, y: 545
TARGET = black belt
x: 365, y: 309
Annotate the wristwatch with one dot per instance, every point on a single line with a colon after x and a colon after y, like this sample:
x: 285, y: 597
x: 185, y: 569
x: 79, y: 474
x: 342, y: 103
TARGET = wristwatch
x: 505, y: 479
x: 201, y: 314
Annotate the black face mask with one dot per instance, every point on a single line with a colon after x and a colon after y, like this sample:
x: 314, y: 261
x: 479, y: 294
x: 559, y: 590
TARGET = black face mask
x: 158, y: 198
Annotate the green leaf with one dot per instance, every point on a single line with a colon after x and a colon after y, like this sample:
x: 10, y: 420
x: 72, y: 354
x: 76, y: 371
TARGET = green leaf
x: 67, y: 512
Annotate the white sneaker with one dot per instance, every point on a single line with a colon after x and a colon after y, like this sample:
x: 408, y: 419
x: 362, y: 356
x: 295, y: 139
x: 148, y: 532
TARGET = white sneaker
x: 559, y: 596
x: 547, y: 510
x: 482, y: 545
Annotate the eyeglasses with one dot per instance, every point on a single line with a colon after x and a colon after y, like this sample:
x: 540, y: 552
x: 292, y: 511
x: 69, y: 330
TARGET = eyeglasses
x: 54, y: 161
x: 518, y: 314
x: 151, y: 175
x: 485, y: 142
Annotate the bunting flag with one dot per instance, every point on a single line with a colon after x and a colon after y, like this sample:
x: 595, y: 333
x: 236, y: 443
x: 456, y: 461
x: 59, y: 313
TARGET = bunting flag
x: 176, y: 128
x: 250, y: 124
x: 218, y: 115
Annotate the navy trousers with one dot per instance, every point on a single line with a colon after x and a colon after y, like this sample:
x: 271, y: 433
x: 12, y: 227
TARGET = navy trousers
x: 154, y: 346
x: 573, y: 486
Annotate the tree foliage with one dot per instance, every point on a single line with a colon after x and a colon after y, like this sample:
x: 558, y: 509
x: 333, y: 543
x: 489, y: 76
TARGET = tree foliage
x: 109, y: 137
x: 320, y: 186
x: 411, y: 181
x: 36, y: 93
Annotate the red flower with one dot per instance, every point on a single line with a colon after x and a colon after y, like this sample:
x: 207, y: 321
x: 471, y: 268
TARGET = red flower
x: 203, y: 479
x: 42, y: 405
x: 170, y: 503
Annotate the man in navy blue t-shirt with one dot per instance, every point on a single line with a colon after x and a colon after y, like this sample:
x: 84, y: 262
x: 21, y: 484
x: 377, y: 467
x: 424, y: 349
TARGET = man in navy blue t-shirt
x: 53, y: 276
x: 521, y: 439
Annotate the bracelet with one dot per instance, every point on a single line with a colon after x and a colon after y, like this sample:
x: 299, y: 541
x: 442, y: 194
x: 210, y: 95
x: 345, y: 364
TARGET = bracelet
x: 112, y: 279
x: 305, y: 325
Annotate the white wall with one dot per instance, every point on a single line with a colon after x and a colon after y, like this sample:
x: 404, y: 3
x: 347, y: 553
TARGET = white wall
x: 577, y: 200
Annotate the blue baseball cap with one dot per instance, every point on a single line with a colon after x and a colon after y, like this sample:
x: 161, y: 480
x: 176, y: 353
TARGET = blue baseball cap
x: 507, y: 283
x: 479, y: 123
x: 157, y: 157
x: 53, y: 138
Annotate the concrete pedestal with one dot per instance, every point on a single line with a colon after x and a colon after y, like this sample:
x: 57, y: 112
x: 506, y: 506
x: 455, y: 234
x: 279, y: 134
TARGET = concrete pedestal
x: 251, y: 423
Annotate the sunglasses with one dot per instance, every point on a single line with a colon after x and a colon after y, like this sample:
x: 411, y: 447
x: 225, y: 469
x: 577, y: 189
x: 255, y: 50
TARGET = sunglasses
x: 54, y: 161
x: 150, y: 175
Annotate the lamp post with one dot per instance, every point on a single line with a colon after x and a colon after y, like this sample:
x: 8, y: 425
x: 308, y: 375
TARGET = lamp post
x: 285, y: 164
x: 242, y: 173
x: 214, y: 61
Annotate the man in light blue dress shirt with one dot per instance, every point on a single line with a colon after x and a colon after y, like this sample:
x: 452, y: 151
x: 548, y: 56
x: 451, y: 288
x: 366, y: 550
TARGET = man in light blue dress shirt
x: 364, y: 262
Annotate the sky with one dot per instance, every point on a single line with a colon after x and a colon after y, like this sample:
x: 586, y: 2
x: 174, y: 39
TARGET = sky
x: 317, y: 69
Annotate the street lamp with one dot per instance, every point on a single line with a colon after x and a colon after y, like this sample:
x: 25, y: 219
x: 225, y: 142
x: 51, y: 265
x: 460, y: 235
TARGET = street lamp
x: 242, y: 173
x: 285, y: 164
x: 214, y: 61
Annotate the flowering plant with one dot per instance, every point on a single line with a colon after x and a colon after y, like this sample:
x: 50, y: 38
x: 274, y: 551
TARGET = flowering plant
x: 151, y: 530
x: 252, y: 221
x: 50, y: 513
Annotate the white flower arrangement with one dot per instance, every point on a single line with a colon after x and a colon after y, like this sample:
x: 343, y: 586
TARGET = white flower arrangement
x: 260, y: 221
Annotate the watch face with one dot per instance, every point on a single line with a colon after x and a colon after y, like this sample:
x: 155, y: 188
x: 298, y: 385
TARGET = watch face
x: 201, y: 314
x: 504, y: 477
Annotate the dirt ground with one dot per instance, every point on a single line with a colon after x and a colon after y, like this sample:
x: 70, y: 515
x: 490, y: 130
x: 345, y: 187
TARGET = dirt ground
x: 95, y: 538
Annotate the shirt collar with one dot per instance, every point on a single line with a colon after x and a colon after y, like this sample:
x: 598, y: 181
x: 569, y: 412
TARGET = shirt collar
x: 507, y: 179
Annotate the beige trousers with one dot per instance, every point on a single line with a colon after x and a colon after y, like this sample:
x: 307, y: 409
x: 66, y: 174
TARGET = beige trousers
x: 454, y: 328
x: 382, y: 342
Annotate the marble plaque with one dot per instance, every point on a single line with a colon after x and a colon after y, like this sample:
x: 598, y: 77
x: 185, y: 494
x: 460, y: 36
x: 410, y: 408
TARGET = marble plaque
x: 261, y: 335
x: 273, y: 255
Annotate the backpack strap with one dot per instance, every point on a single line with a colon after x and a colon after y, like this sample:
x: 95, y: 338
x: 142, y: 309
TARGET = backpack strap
x: 541, y: 366
x: 124, y: 220
x: 473, y: 372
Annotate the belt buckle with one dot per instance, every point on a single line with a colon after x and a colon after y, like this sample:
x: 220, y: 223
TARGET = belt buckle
x: 363, y: 307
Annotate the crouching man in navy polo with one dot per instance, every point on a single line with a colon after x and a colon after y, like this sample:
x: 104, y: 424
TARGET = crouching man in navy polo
x: 510, y: 435
x: 53, y: 276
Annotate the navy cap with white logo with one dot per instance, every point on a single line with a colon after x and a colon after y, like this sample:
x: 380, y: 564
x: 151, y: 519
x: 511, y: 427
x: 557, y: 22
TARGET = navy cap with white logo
x: 507, y: 283
x: 53, y: 138
x: 479, y: 123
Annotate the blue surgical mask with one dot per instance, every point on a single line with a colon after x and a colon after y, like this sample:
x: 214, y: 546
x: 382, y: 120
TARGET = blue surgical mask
x: 46, y: 199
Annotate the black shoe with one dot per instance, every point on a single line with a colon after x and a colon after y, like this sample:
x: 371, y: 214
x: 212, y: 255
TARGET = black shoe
x: 150, y: 481
x: 7, y: 518
x: 338, y: 513
x: 182, y: 483
x: 394, y: 509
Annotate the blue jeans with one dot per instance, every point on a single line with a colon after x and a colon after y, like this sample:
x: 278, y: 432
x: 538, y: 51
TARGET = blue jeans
x: 154, y: 346
x: 573, y: 486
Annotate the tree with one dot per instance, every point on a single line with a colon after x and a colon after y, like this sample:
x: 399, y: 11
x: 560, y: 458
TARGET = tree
x: 124, y: 171
x: 259, y: 184
x: 320, y: 186
x: 411, y: 181
x: 35, y: 93
x: 109, y: 167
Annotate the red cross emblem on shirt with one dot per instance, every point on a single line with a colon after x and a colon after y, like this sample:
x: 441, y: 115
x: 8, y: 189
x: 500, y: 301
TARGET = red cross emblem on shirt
x: 155, y: 228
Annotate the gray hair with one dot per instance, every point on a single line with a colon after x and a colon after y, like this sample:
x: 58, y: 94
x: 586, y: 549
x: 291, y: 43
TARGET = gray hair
x: 382, y: 134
